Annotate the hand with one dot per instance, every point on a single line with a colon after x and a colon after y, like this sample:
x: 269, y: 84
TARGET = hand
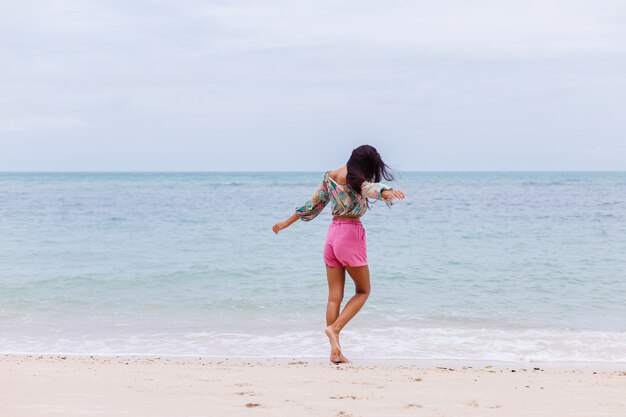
x: 279, y: 226
x: 390, y: 194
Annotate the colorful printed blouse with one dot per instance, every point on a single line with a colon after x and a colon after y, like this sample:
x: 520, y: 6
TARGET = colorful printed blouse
x: 345, y: 202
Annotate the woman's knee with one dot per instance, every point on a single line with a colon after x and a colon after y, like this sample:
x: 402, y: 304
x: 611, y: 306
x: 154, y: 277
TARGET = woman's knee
x: 364, y: 291
x: 335, y: 298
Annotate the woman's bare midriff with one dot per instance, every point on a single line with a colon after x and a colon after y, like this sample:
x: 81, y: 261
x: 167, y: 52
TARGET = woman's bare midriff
x: 352, y: 218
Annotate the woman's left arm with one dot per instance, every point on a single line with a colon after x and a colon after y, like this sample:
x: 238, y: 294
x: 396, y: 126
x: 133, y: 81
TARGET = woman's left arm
x: 283, y: 225
x: 308, y: 211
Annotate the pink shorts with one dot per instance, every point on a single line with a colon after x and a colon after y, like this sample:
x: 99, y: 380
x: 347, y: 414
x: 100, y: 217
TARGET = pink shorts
x: 345, y: 244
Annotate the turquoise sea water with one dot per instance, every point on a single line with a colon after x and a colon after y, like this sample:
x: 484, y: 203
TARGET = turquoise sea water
x: 502, y: 266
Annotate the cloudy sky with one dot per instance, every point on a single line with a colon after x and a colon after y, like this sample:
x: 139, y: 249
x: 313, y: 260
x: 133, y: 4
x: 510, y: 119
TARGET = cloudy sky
x: 141, y: 85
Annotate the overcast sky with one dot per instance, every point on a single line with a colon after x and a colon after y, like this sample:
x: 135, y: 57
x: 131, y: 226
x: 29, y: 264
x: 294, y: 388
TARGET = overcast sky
x: 141, y: 85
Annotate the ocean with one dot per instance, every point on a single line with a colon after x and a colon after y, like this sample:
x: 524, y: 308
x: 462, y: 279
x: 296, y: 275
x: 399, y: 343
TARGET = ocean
x: 511, y: 266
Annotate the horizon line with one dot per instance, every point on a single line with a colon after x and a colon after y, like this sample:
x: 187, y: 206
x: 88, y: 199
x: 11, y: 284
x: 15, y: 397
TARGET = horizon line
x: 306, y: 171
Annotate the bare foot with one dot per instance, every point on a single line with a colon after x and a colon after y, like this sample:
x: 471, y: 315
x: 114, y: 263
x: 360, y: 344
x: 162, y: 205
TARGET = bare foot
x: 341, y: 359
x: 338, y: 357
x: 335, y: 350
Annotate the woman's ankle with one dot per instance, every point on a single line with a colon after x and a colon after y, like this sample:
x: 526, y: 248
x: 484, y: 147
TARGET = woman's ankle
x: 333, y: 328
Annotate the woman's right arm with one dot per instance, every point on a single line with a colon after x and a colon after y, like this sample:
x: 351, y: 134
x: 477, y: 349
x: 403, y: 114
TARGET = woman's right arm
x: 381, y: 191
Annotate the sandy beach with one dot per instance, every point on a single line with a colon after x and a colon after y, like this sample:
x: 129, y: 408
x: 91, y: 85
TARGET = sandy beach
x: 53, y: 385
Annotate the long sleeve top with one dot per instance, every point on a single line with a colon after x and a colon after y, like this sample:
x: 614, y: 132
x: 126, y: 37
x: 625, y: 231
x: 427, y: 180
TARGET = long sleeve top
x: 344, y: 201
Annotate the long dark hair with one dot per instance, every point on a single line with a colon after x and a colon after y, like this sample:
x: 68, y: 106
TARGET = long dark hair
x: 365, y: 164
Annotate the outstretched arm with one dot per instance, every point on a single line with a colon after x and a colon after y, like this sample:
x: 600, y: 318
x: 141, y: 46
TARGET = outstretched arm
x: 285, y: 224
x: 381, y: 191
x: 308, y: 211
x: 391, y: 194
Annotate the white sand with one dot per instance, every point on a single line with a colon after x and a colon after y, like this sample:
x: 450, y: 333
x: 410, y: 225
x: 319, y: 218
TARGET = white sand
x: 34, y: 385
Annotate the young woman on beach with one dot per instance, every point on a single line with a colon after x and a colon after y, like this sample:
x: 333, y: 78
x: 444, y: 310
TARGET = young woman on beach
x: 347, y: 188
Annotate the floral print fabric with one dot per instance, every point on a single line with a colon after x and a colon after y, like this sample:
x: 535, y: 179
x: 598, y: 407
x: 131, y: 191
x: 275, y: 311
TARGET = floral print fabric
x: 345, y: 202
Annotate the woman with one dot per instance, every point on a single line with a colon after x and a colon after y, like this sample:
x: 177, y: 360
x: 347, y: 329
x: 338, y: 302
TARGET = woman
x: 348, y: 188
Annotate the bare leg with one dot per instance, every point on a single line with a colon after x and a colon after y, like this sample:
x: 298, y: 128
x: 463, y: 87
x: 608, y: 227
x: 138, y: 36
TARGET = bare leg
x: 361, y: 277
x: 336, y: 283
